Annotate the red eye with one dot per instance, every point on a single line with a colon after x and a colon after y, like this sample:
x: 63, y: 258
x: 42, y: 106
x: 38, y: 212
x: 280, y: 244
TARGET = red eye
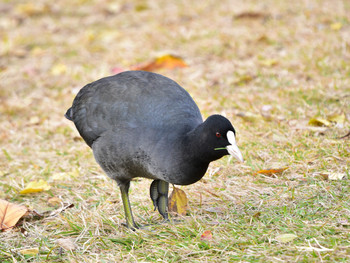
x: 218, y: 134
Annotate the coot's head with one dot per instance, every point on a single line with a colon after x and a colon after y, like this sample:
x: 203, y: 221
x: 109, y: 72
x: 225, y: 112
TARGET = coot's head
x: 219, y: 137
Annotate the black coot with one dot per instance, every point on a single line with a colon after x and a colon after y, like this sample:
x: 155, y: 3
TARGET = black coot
x: 142, y: 124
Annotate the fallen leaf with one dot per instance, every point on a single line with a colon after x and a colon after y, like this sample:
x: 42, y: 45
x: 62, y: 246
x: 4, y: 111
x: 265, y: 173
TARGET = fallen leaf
x: 36, y: 186
x: 270, y: 172
x: 29, y: 251
x: 336, y: 26
x: 285, y: 238
x: 244, y: 79
x: 251, y: 15
x: 319, y: 122
x: 336, y: 119
x: 34, y: 120
x: 162, y: 62
x: 268, y: 62
x: 336, y: 176
x: 66, y: 243
x: 10, y: 213
x: 54, y: 201
x: 207, y: 235
x: 178, y: 201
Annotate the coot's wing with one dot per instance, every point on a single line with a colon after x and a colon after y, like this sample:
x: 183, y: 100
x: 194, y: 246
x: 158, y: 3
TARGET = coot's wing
x: 130, y: 100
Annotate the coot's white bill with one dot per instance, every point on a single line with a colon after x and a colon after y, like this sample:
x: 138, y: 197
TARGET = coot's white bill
x: 233, y: 149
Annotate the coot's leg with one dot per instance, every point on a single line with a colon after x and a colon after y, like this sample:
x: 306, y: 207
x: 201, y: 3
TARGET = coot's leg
x: 124, y: 189
x: 153, y: 190
x: 163, y: 189
x: 159, y: 194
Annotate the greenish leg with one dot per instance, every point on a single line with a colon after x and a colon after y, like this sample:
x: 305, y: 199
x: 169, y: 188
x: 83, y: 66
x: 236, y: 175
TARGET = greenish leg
x: 124, y: 189
x: 163, y: 189
x: 154, y: 193
x: 159, y: 194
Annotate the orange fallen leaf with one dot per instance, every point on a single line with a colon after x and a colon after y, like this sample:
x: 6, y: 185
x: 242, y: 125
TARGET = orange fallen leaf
x: 270, y: 172
x: 162, y: 62
x: 178, y: 201
x: 207, y: 235
x: 10, y: 213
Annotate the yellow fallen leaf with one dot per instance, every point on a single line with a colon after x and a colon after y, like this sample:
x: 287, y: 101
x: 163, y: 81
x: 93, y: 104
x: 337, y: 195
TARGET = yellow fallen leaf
x: 29, y: 251
x: 10, y: 213
x: 268, y: 62
x: 36, y: 186
x: 336, y: 26
x: 178, y: 201
x: 162, y: 62
x: 285, y: 238
x: 319, y: 122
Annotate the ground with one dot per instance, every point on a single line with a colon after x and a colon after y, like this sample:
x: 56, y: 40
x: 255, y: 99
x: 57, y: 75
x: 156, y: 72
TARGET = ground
x: 269, y: 66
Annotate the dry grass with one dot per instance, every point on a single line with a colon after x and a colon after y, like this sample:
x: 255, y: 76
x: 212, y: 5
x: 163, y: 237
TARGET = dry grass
x: 293, y: 56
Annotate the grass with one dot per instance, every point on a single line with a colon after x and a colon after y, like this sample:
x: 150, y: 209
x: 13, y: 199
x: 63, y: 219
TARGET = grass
x: 242, y: 56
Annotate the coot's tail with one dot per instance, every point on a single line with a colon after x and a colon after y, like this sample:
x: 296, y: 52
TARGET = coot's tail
x: 69, y: 114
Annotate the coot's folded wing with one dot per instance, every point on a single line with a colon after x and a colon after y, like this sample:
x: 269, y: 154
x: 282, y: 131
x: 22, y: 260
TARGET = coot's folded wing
x: 132, y: 99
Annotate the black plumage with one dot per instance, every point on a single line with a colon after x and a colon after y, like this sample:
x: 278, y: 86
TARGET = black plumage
x: 142, y: 124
